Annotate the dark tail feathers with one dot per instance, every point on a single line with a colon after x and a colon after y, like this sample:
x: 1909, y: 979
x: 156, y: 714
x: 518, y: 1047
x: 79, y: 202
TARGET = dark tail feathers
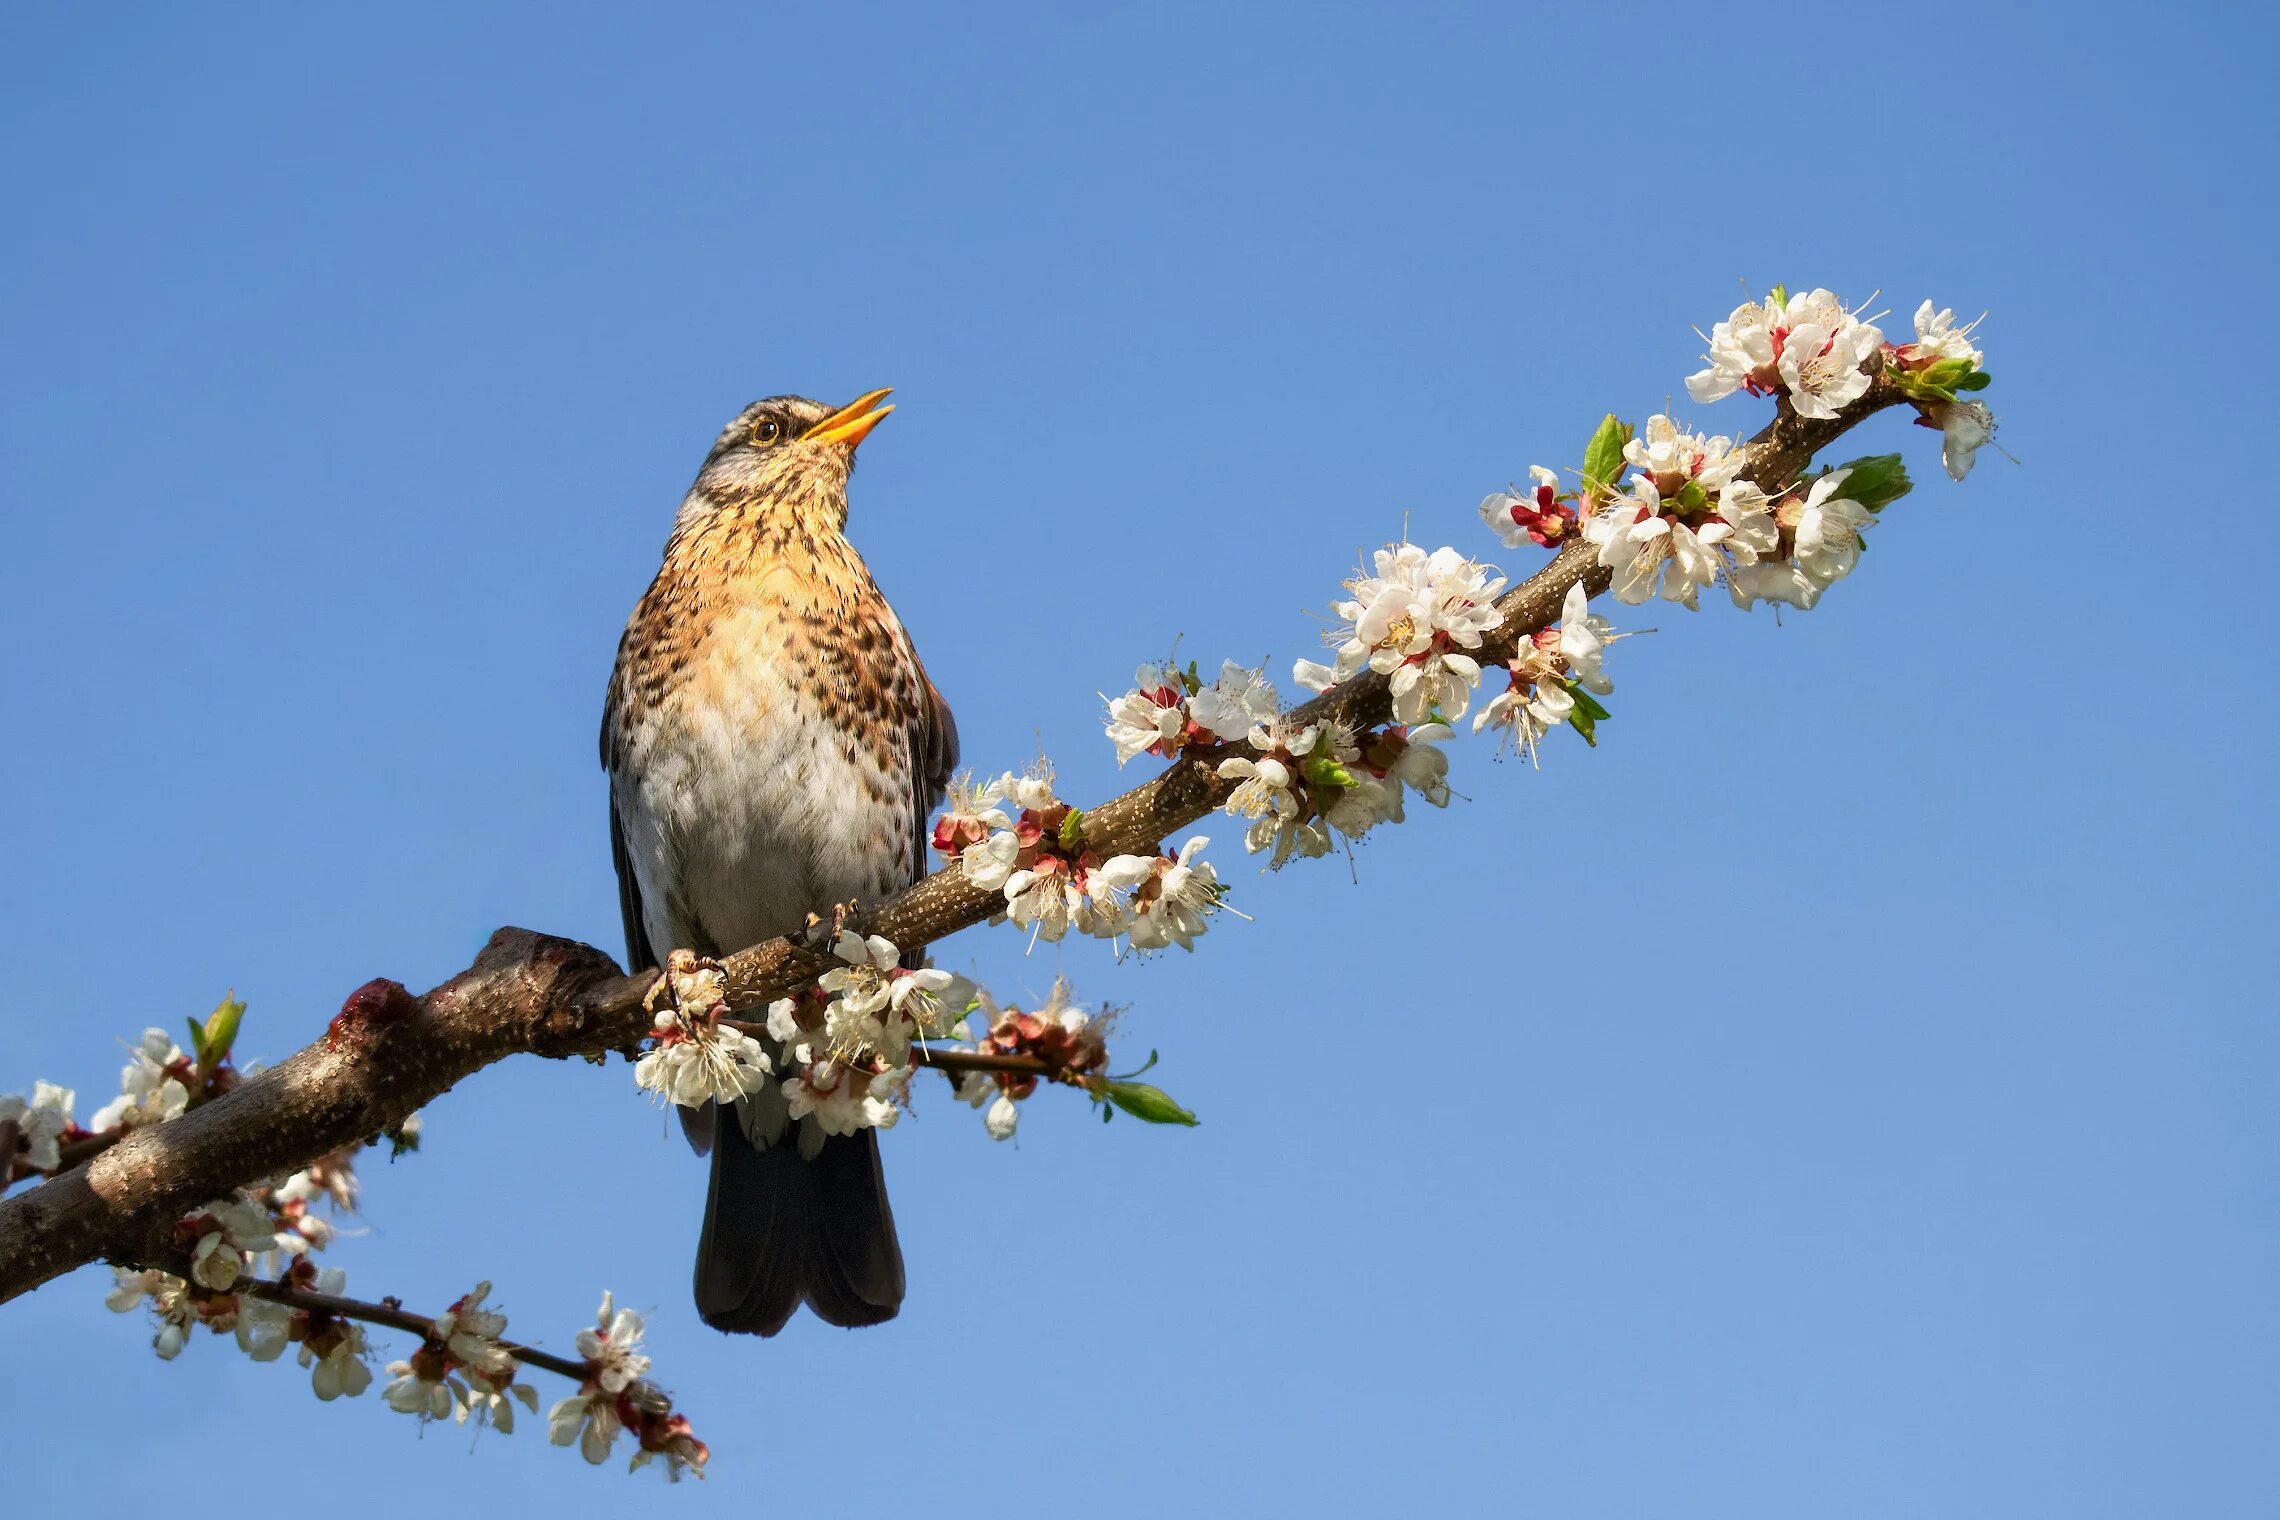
x: 780, y: 1229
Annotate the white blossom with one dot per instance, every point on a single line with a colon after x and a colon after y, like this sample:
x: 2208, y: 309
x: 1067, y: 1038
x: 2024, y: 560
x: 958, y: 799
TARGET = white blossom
x: 40, y: 1124
x: 261, y: 1327
x: 1032, y: 790
x: 1748, y: 515
x: 1772, y: 580
x: 1003, y: 1118
x: 969, y: 814
x: 1821, y: 363
x: 1672, y: 456
x: 1828, y: 530
x: 232, y: 1231
x: 1151, y: 716
x: 838, y: 1099
x: 1422, y: 766
x: 1937, y: 336
x: 1231, y: 705
x: 1268, y: 789
x: 414, y: 1392
x: 697, y: 1061
x: 339, y: 1370
x: 613, y: 1346
x: 1051, y: 897
x: 1583, y: 640
x: 148, y: 1093
x: 1645, y: 549
x: 1965, y: 426
x: 1808, y: 345
x: 493, y: 1403
x: 1538, y: 699
x: 1539, y: 517
x: 990, y: 862
x: 1168, y: 898
x: 471, y: 1333
x: 1412, y: 619
x: 590, y: 1420
x: 170, y: 1306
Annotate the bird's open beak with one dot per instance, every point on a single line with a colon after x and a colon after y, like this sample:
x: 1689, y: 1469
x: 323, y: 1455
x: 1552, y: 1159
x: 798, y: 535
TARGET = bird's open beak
x: 852, y: 422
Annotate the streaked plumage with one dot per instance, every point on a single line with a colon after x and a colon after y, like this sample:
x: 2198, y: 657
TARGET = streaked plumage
x: 774, y: 748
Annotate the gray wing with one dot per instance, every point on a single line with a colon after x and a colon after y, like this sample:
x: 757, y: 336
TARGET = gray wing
x: 639, y: 956
x: 934, y: 751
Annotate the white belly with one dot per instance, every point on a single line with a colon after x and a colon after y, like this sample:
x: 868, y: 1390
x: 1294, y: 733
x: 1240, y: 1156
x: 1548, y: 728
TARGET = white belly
x: 745, y: 813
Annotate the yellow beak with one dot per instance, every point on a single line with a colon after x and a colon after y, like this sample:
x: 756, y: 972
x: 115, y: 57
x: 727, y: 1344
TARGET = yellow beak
x: 852, y: 422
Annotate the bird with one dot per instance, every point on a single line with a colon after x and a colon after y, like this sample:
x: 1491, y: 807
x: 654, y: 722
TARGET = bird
x: 774, y: 748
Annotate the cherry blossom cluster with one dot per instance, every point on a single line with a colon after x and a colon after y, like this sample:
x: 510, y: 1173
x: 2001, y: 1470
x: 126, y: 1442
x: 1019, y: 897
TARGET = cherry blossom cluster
x: 1053, y: 882
x: 1303, y: 784
x: 849, y: 1038
x: 159, y: 1082
x: 613, y: 1397
x: 1413, y: 620
x: 33, y: 1130
x: 1556, y: 677
x: 1070, y: 1041
x: 460, y: 1370
x: 1169, y: 710
x: 1687, y: 517
x: 1809, y: 348
x: 242, y: 1267
x: 694, y: 1059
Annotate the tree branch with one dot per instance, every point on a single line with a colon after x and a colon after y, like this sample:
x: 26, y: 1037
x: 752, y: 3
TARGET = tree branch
x: 387, y: 1053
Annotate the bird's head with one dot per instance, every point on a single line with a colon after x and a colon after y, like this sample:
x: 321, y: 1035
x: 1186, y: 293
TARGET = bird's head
x: 790, y: 451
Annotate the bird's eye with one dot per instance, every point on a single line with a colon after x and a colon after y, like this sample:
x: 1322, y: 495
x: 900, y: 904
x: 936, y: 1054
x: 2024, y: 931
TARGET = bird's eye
x: 767, y: 430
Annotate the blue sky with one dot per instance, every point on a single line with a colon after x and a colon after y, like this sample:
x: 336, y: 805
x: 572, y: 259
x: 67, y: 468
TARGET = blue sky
x: 1848, y: 1090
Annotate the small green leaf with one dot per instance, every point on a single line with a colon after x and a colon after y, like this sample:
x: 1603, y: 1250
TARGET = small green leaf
x: 1977, y: 380
x: 1779, y: 295
x: 1190, y: 679
x: 1151, y: 1104
x: 1603, y: 456
x: 1585, y: 715
x: 1073, y: 829
x: 1876, y: 481
x: 197, y: 1041
x: 1692, y: 498
x: 221, y: 1031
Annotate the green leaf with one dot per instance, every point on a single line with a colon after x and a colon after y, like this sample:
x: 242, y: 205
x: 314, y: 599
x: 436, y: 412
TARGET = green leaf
x: 1151, y: 1104
x: 1692, y: 498
x: 1073, y: 829
x: 221, y: 1031
x: 1603, y: 456
x: 1977, y: 380
x: 1584, y: 717
x: 197, y: 1041
x: 1779, y: 294
x: 1190, y: 679
x: 1876, y: 481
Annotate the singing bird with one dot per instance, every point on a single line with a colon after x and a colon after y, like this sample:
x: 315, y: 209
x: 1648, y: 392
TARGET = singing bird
x: 774, y: 748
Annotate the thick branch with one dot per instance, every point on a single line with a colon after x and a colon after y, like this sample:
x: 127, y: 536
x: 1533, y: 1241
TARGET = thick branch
x: 388, y: 1053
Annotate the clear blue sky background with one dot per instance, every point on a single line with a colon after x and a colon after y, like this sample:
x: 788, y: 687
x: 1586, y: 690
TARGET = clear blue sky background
x: 1849, y: 1091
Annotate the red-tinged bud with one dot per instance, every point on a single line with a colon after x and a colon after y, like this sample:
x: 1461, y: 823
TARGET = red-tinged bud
x: 376, y: 1003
